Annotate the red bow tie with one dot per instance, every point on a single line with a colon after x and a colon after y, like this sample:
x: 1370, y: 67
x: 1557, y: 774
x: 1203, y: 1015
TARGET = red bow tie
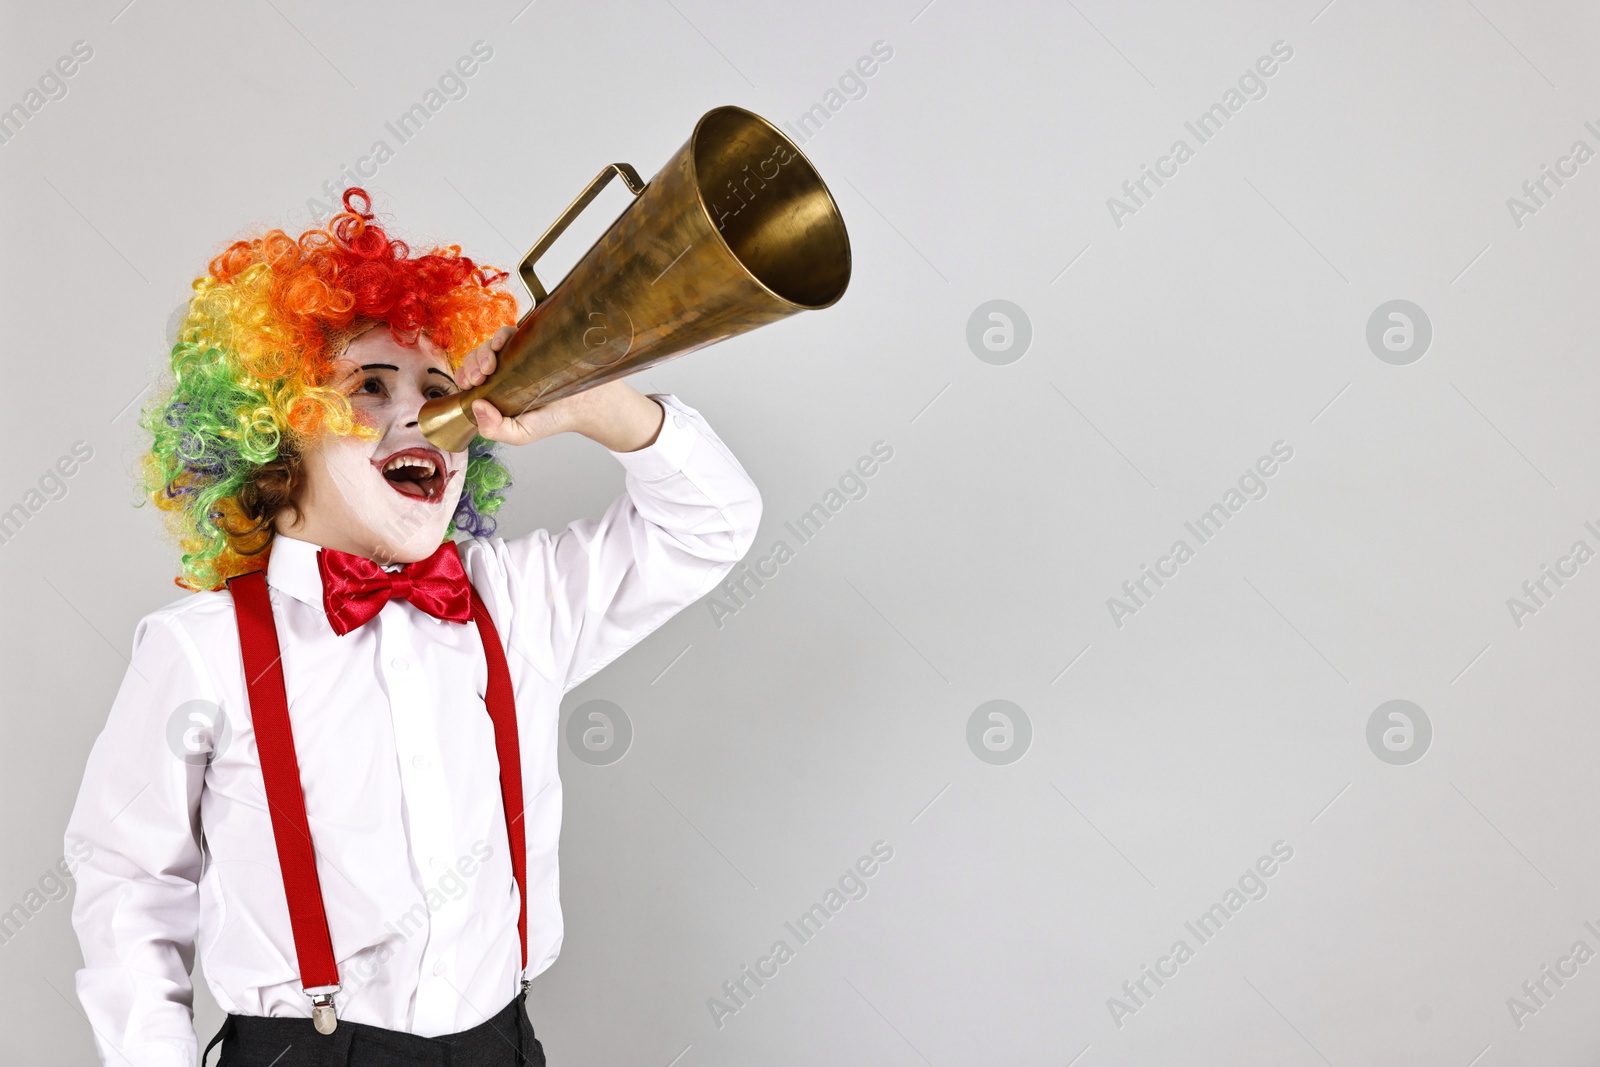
x: 354, y: 588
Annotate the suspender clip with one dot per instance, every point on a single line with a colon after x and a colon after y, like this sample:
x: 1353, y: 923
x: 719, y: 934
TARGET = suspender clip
x: 322, y: 1014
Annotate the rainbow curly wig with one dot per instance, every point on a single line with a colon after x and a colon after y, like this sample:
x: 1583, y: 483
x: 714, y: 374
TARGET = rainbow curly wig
x: 252, y: 376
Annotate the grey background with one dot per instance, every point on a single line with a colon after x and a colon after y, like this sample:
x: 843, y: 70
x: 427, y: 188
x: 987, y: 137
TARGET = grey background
x: 832, y: 710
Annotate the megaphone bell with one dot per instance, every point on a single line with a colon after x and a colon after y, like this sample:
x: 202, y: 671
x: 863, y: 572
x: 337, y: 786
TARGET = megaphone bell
x: 735, y: 232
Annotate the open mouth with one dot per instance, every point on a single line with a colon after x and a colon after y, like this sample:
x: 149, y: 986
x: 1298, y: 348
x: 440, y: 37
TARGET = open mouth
x: 418, y: 473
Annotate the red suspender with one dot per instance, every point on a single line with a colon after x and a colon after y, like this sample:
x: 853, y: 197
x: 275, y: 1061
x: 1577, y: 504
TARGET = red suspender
x: 280, y: 771
x: 503, y: 713
x: 269, y: 712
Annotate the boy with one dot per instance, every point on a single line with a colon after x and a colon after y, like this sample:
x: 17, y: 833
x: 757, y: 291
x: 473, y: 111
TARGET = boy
x: 332, y: 769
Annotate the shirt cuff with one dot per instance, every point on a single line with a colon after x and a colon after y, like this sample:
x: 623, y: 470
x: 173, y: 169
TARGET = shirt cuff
x: 667, y: 454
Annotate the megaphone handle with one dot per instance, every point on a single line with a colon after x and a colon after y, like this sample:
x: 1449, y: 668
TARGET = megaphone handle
x: 536, y: 290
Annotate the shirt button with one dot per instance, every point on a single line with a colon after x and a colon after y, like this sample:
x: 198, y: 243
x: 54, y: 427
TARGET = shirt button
x: 438, y: 864
x: 438, y: 968
x: 400, y: 663
x: 422, y: 763
x: 679, y: 421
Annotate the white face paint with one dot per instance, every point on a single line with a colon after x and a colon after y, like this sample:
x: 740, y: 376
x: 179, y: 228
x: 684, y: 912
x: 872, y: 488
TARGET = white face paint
x: 389, y: 499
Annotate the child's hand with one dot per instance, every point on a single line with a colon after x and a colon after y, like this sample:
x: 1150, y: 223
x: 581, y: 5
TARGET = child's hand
x: 475, y: 370
x: 614, y: 414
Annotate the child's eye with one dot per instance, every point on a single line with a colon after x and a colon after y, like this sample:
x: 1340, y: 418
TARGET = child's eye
x: 376, y: 386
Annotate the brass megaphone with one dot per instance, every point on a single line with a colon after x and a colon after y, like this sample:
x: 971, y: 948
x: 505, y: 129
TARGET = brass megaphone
x: 736, y: 231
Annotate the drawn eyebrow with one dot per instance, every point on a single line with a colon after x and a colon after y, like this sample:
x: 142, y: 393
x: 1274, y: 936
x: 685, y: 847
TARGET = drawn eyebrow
x: 391, y: 366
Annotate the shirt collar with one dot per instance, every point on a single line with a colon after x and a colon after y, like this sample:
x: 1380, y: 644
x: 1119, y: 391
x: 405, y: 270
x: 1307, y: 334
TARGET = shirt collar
x: 292, y: 568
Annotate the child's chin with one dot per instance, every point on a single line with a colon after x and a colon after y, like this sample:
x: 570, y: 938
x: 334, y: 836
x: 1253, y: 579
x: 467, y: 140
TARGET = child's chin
x: 410, y: 530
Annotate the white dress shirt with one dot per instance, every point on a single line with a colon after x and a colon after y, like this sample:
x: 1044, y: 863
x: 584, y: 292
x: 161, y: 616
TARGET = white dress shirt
x: 398, y: 767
